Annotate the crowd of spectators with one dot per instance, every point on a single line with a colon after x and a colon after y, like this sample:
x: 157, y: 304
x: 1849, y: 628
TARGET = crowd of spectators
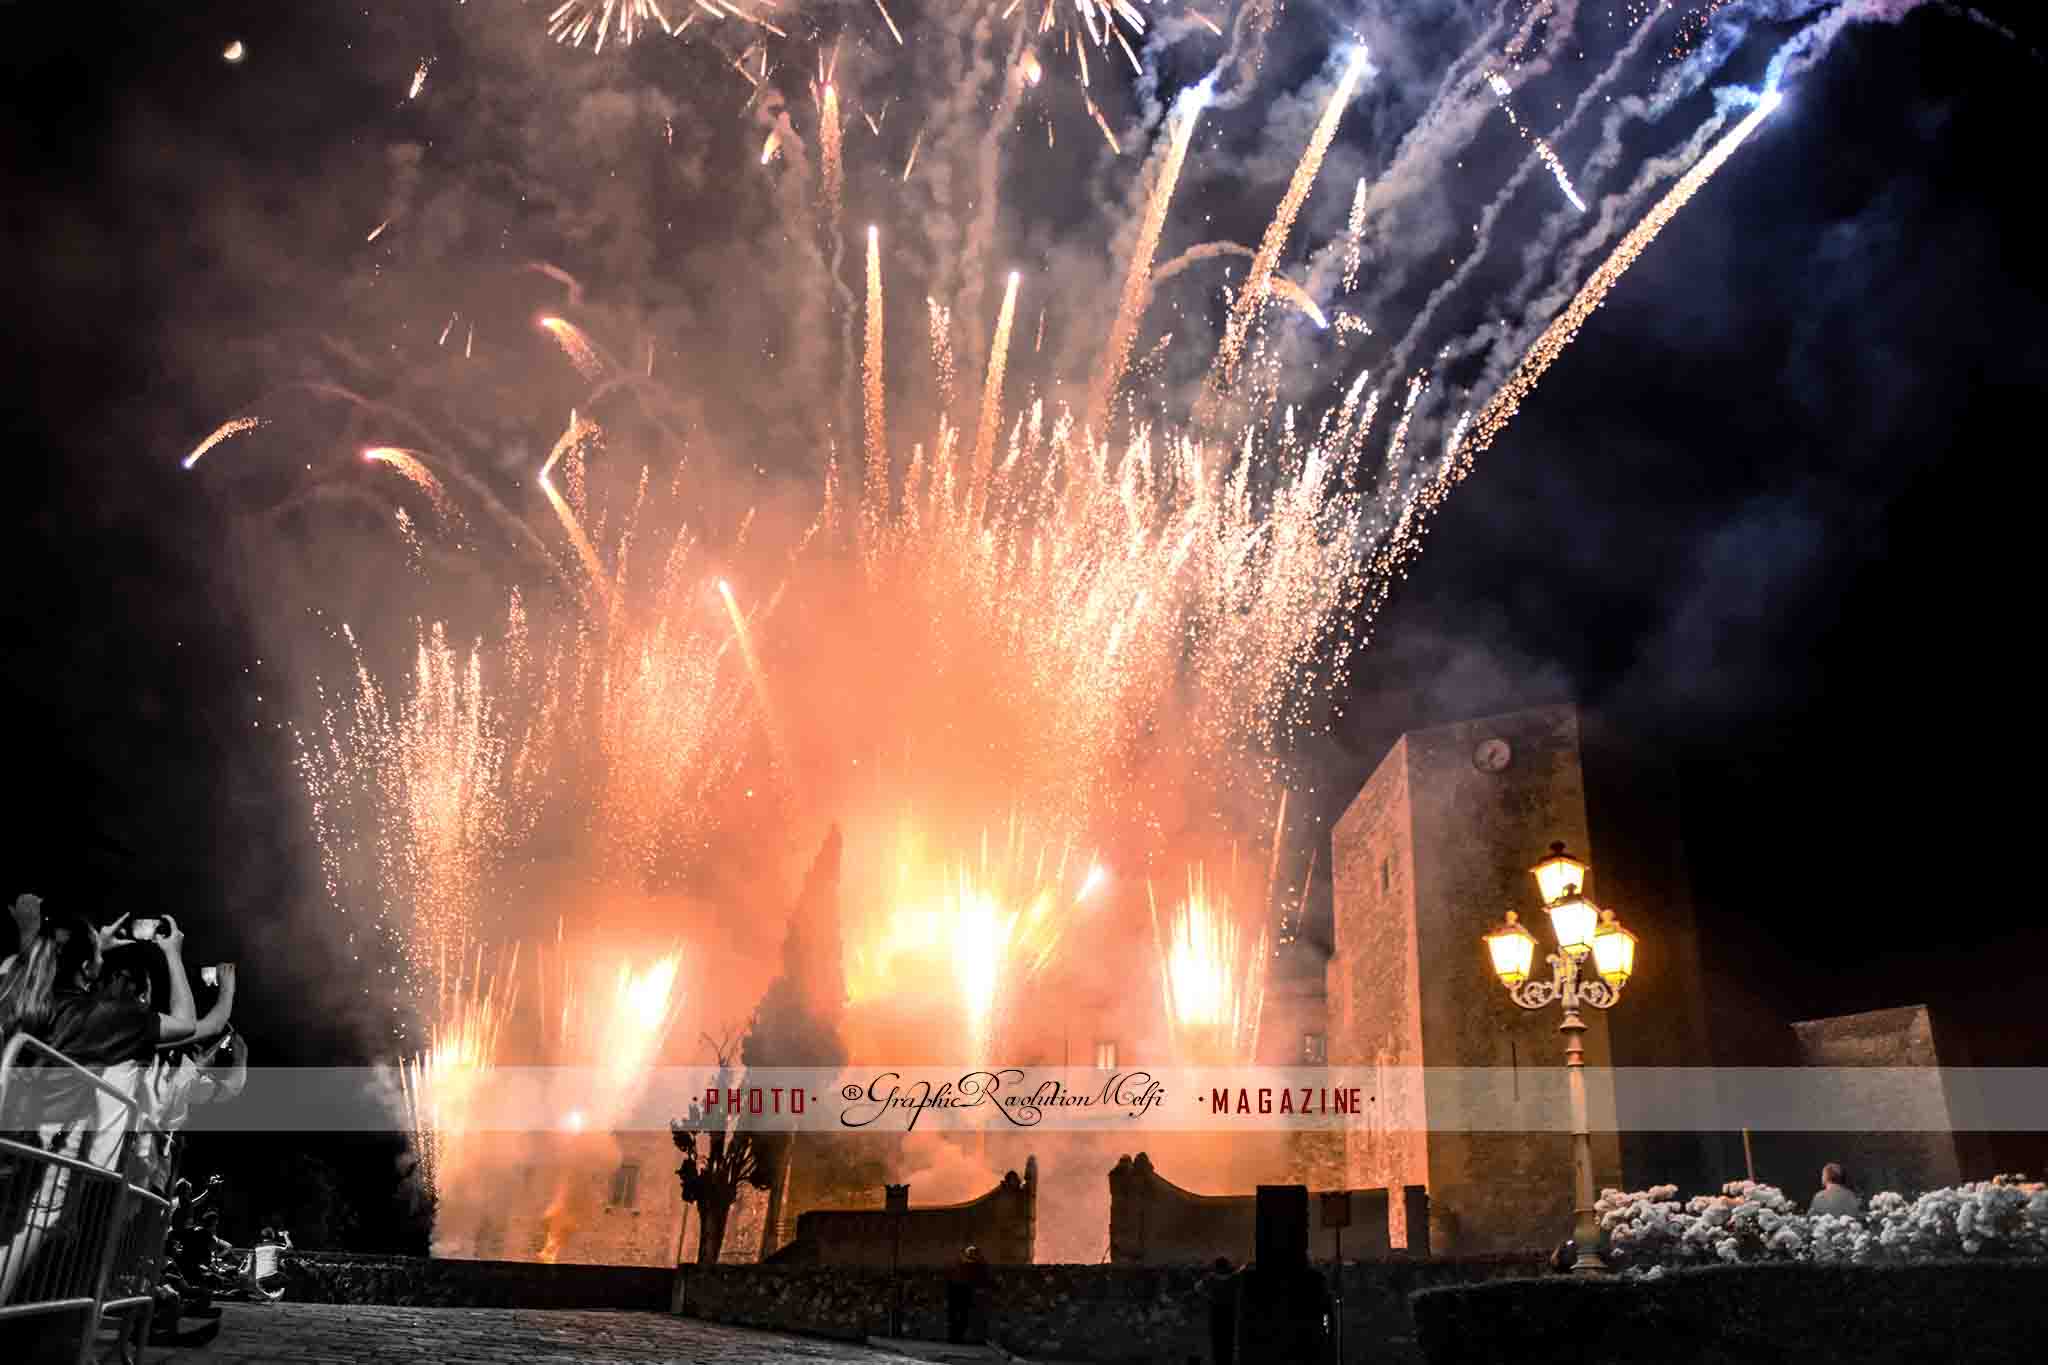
x: 119, y: 1002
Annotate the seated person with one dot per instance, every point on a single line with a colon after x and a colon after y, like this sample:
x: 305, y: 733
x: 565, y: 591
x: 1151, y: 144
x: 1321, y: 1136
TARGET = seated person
x: 264, y: 1273
x: 1835, y: 1195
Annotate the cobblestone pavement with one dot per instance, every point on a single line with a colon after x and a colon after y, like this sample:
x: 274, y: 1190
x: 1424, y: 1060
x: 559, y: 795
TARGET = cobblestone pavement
x: 329, y: 1334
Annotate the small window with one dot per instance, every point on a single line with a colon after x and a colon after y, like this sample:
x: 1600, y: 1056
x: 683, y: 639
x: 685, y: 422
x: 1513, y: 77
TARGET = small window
x: 1105, y: 1056
x: 1315, y: 1049
x: 1387, y: 873
x: 626, y: 1185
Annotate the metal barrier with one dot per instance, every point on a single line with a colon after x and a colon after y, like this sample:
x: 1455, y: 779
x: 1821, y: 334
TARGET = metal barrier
x: 78, y: 1236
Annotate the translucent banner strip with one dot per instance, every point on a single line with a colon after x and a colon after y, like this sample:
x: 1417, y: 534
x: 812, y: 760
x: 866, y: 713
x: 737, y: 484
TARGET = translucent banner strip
x: 1180, y: 1099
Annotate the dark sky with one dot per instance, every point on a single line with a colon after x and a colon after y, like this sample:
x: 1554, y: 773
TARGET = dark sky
x: 1774, y: 511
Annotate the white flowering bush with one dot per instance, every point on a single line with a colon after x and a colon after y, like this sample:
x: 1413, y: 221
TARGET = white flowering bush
x: 1750, y: 1222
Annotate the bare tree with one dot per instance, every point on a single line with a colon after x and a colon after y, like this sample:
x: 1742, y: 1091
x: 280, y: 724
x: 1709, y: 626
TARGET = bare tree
x: 720, y: 1158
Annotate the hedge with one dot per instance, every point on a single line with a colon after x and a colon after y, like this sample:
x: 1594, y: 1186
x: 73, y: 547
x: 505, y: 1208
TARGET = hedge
x: 1976, y: 1311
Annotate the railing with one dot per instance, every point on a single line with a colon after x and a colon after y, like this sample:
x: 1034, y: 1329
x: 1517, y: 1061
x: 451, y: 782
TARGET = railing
x: 81, y: 1233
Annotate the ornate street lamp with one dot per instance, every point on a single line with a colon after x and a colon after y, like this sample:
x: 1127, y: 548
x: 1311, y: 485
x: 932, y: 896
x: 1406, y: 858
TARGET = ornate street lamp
x: 1583, y: 930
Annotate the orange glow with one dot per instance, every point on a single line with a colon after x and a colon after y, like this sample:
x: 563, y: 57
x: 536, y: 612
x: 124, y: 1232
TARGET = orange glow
x: 974, y: 928
x: 1213, y: 972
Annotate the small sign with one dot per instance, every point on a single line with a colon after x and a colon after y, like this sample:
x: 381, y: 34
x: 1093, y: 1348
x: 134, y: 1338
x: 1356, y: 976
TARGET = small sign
x: 1337, y: 1209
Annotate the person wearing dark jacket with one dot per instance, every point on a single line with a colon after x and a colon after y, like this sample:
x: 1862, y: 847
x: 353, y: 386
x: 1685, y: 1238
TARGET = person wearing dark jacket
x: 967, y: 1279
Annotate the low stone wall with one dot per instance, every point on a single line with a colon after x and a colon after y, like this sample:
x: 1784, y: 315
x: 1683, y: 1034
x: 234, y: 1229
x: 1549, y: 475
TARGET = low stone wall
x: 422, y: 1282
x: 1153, y: 1221
x: 1002, y: 1224
x: 1110, y: 1315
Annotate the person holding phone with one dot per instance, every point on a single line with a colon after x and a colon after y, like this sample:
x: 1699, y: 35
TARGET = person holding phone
x: 53, y: 992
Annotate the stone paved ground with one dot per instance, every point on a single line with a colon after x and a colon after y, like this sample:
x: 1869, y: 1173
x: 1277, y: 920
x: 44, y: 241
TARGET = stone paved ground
x: 329, y: 1334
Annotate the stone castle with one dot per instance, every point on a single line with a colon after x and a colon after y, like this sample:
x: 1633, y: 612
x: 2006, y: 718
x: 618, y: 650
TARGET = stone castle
x: 1434, y: 848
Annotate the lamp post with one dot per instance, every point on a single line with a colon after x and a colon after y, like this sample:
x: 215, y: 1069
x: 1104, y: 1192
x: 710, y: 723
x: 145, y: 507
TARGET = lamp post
x: 1583, y: 930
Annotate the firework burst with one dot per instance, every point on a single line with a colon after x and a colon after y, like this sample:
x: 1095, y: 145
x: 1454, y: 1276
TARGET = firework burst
x: 1212, y: 969
x: 989, y: 922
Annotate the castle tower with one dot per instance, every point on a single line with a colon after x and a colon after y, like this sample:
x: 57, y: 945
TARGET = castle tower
x: 1427, y: 858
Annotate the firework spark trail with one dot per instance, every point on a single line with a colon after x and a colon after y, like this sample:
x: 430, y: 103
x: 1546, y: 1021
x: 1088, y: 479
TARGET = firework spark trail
x: 577, y: 434
x: 668, y: 717
x: 1482, y: 244
x: 1108, y: 135
x: 967, y: 277
x: 894, y: 32
x: 419, y: 79
x: 1354, y: 237
x: 992, y: 393
x: 1251, y: 298
x: 911, y: 164
x: 1212, y: 974
x: 417, y: 797
x: 657, y: 707
x: 233, y: 427
x: 873, y: 412
x: 575, y: 345
x: 744, y: 637
x: 378, y: 231
x: 1452, y: 118
x: 940, y: 327
x: 1116, y: 351
x: 1498, y: 84
x: 1105, y: 596
x: 832, y: 175
x: 408, y: 463
x: 1205, y: 251
x: 1564, y: 268
x: 1501, y: 408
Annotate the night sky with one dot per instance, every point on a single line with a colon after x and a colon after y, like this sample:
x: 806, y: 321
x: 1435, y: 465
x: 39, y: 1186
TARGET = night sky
x: 1773, y: 512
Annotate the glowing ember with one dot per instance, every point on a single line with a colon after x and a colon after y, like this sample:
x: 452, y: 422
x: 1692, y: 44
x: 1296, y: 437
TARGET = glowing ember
x: 407, y: 462
x: 221, y: 433
x: 575, y: 345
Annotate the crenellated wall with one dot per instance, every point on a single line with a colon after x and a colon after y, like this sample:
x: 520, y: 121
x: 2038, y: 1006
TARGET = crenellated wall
x: 1153, y: 1221
x: 1003, y: 1224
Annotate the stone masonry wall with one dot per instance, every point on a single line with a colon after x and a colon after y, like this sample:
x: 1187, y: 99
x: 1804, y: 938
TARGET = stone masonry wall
x: 1375, y: 1014
x: 1106, y: 1315
x: 1153, y: 1221
x: 1476, y: 834
x: 1001, y: 1223
x: 418, y: 1281
x: 1893, y: 1160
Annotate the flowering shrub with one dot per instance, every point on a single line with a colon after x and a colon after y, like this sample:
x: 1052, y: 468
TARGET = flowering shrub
x: 1748, y: 1222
